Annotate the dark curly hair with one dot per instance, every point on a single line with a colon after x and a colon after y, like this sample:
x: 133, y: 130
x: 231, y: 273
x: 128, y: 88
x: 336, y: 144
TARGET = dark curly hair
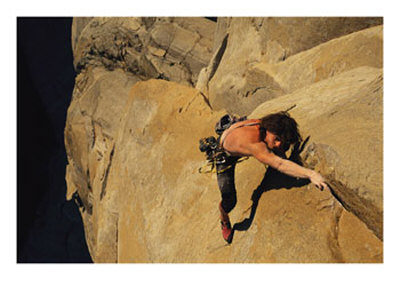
x: 282, y: 125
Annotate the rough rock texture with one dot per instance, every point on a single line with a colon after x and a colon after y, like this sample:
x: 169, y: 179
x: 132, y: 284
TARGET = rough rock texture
x: 342, y: 115
x: 169, y: 48
x: 255, y: 58
x: 78, y: 25
x: 133, y: 156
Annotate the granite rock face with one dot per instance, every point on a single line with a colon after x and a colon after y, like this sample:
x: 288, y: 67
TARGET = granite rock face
x: 257, y: 59
x: 132, y: 143
x: 174, y: 49
x: 343, y: 116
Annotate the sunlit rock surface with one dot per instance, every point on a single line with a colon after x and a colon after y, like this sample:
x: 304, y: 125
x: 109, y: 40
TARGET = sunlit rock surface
x: 132, y: 141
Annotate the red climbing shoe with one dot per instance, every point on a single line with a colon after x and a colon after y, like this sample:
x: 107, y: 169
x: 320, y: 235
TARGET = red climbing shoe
x: 227, y: 231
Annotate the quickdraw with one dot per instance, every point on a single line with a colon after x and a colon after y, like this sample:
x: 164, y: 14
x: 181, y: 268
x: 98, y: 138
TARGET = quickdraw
x: 212, y: 166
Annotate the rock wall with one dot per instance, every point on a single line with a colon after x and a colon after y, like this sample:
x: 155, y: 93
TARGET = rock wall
x: 132, y: 141
x: 165, y: 48
x: 264, y: 58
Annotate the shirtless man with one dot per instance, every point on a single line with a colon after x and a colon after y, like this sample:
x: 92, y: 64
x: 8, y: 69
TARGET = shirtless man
x: 263, y: 139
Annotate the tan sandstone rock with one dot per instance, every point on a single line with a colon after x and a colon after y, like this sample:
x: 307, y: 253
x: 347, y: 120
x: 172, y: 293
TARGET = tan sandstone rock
x: 255, y: 58
x: 93, y: 120
x: 132, y: 143
x: 343, y: 116
x: 171, y: 48
x: 156, y: 207
x: 78, y: 24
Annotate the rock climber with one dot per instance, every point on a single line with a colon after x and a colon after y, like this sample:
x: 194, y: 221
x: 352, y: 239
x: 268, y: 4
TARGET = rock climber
x: 266, y: 139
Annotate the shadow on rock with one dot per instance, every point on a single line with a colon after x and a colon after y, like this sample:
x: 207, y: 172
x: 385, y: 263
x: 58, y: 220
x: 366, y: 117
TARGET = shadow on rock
x: 274, y: 179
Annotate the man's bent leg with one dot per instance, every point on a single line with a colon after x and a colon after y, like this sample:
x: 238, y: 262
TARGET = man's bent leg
x: 226, y: 184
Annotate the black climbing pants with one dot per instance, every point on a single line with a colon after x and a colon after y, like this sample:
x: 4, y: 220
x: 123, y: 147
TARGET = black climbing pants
x: 226, y: 183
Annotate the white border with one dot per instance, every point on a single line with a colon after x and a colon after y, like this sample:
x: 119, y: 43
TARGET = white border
x: 201, y: 281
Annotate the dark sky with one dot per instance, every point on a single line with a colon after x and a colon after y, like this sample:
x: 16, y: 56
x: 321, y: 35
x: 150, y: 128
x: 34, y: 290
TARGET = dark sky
x: 49, y: 228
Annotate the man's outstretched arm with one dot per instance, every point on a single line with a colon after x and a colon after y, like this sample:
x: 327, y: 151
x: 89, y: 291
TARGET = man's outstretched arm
x: 262, y: 154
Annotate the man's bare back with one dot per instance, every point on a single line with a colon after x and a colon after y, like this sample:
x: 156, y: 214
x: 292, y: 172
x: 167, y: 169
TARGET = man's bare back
x: 240, y: 134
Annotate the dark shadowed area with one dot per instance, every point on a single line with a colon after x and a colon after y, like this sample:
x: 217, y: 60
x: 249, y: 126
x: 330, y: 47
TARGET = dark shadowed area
x: 49, y: 228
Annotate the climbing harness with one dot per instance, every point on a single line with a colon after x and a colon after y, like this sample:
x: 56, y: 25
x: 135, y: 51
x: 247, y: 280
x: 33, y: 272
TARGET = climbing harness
x: 211, y: 145
x: 213, y: 164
